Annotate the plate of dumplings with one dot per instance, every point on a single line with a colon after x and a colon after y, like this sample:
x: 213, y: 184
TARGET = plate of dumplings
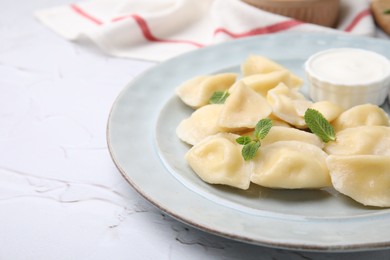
x: 177, y: 135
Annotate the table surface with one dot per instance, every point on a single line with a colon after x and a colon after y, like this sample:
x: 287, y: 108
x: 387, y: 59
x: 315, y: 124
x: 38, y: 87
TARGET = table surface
x: 61, y: 196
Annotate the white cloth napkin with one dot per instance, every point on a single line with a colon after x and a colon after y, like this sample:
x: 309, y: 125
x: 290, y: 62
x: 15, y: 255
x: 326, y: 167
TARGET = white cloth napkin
x: 160, y: 29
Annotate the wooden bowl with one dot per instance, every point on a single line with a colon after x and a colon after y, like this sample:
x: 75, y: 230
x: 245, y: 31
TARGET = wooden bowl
x: 379, y: 10
x: 321, y: 12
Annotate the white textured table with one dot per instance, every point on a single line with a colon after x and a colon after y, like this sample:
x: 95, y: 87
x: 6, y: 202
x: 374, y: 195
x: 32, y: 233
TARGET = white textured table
x: 61, y: 197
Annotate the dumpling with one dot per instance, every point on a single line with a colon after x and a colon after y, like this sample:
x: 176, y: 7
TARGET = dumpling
x: 218, y: 160
x: 366, y: 114
x: 201, y: 123
x: 280, y: 133
x: 361, y: 140
x: 276, y: 121
x: 262, y: 83
x: 197, y: 91
x: 256, y: 64
x: 290, y: 165
x: 328, y: 109
x: 243, y: 109
x: 289, y: 105
x: 364, y: 178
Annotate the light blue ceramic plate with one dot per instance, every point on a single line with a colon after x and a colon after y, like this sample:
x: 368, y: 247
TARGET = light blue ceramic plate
x: 143, y: 144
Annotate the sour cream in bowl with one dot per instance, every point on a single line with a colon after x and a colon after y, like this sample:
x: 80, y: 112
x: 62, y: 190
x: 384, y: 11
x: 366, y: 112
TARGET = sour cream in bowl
x: 348, y: 76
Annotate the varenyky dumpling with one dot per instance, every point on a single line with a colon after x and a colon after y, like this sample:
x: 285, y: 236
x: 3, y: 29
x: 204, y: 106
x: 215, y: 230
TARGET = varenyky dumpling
x: 290, y: 165
x: 363, y: 140
x: 197, y: 91
x: 288, y: 104
x: 243, y: 108
x: 256, y: 64
x: 262, y: 83
x: 277, y: 121
x: 364, y: 178
x: 201, y: 123
x: 217, y: 160
x: 280, y: 133
x: 328, y: 109
x: 366, y: 114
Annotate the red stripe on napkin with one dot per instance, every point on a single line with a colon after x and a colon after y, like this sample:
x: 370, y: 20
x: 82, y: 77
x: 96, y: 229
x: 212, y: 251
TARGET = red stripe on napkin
x: 139, y: 20
x: 357, y: 19
x: 84, y: 14
x: 261, y: 30
x: 148, y: 33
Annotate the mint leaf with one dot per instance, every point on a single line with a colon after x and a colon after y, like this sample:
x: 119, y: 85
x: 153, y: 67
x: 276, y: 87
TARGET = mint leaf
x: 243, y: 140
x: 251, y: 146
x: 387, y: 11
x: 262, y: 128
x: 219, y: 97
x: 319, y: 125
x: 249, y: 150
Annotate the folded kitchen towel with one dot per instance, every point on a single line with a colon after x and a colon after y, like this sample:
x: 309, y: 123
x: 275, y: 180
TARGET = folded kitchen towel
x: 160, y: 29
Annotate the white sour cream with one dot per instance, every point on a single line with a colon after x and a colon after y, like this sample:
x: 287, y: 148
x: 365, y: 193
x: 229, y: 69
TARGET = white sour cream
x: 349, y: 66
x: 348, y: 76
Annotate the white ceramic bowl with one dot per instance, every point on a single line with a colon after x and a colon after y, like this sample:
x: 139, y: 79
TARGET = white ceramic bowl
x: 348, y: 76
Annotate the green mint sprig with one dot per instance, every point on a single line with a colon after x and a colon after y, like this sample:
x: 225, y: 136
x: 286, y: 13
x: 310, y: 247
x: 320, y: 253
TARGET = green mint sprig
x: 251, y: 146
x: 219, y: 97
x: 319, y: 126
x: 387, y: 11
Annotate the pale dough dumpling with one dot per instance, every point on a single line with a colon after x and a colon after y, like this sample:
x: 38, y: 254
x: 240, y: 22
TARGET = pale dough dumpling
x: 276, y: 121
x: 328, y: 109
x: 280, y: 133
x: 217, y: 160
x: 289, y: 105
x: 243, y: 109
x: 197, y: 91
x: 364, y: 178
x: 290, y: 165
x: 256, y: 64
x: 279, y: 122
x: 201, y: 123
x: 366, y: 114
x: 262, y: 83
x: 363, y: 140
